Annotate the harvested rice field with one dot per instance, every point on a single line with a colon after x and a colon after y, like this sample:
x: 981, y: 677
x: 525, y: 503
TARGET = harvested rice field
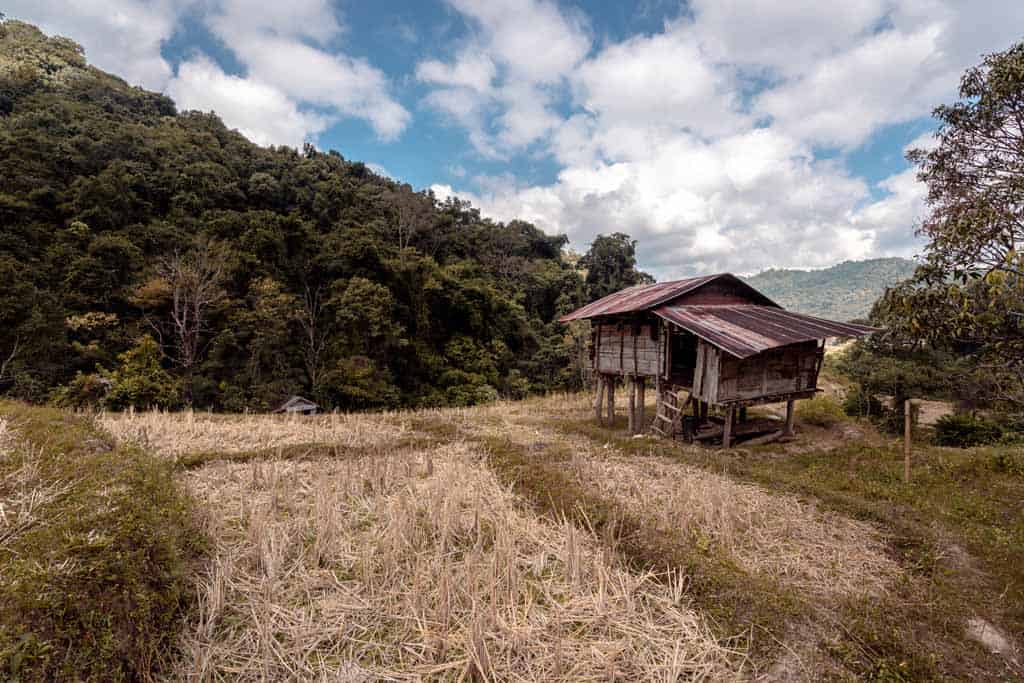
x: 518, y: 541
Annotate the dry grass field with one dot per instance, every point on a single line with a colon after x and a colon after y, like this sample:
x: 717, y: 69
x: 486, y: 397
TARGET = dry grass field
x: 521, y: 541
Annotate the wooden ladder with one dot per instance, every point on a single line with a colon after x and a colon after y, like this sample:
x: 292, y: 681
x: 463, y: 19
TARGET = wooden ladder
x: 669, y: 417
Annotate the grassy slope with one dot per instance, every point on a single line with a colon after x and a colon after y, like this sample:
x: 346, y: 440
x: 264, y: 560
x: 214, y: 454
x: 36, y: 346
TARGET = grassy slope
x: 958, y: 528
x: 95, y: 550
x: 956, y: 531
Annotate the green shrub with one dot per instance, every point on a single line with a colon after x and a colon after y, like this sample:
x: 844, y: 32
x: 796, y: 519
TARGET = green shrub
x: 861, y: 403
x: 965, y: 431
x: 84, y: 391
x: 94, y: 581
x: 823, y: 411
x: 1007, y: 462
x: 141, y: 381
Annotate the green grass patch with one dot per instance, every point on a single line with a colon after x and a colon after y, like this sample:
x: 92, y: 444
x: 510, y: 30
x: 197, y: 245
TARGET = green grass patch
x: 822, y: 411
x: 94, y: 574
x: 957, y: 528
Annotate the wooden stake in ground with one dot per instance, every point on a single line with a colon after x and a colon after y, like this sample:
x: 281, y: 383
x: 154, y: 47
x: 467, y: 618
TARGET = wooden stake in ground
x: 790, y: 415
x: 727, y: 427
x: 631, y: 400
x: 906, y: 441
x: 610, y: 397
x: 641, y: 399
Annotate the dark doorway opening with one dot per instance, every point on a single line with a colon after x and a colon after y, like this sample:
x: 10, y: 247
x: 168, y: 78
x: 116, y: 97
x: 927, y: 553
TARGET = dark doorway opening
x: 684, y: 357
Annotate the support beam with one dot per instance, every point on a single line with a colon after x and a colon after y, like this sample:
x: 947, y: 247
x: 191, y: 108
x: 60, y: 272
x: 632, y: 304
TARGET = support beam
x: 599, y: 399
x: 790, y: 416
x: 631, y: 401
x: 730, y: 413
x: 641, y: 398
x: 610, y: 397
x: 907, y: 436
x: 657, y: 395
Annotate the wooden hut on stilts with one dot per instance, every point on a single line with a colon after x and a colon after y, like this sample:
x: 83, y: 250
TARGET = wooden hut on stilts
x: 716, y: 338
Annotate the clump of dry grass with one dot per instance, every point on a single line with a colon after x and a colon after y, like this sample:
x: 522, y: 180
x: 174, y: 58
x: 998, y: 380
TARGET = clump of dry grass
x: 419, y: 564
x: 6, y: 437
x: 176, y: 434
x: 819, y: 553
x: 822, y: 554
x: 24, y: 490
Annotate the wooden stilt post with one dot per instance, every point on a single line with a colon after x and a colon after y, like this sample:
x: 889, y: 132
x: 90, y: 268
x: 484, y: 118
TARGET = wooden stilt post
x: 657, y: 396
x: 641, y: 420
x: 703, y: 412
x: 599, y: 399
x: 631, y: 401
x: 610, y: 397
x: 790, y: 415
x: 906, y: 441
x: 727, y: 427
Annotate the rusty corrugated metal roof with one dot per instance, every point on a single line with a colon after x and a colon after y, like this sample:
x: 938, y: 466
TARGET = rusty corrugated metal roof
x: 746, y: 329
x: 638, y: 298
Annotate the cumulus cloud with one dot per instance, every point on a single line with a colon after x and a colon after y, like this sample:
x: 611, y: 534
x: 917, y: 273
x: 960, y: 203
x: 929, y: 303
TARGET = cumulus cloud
x: 273, y: 42
x: 122, y: 36
x: 291, y: 64
x: 659, y: 81
x: 891, y: 77
x: 704, y: 140
x: 512, y: 66
x: 259, y: 111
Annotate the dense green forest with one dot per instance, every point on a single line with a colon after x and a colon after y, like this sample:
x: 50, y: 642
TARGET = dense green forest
x: 845, y: 291
x: 155, y: 257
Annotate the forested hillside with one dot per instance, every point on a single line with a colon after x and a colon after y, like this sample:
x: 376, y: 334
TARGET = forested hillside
x: 842, y: 292
x: 150, y: 256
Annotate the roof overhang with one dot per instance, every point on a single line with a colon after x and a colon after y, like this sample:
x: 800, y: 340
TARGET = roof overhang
x: 641, y: 298
x: 746, y: 330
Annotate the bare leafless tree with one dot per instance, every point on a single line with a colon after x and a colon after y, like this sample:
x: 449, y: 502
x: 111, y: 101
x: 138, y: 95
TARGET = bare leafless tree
x: 314, y: 335
x: 7, y: 362
x: 194, y: 282
x: 412, y: 213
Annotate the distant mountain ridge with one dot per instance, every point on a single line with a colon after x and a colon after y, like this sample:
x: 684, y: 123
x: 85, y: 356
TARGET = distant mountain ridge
x: 843, y: 292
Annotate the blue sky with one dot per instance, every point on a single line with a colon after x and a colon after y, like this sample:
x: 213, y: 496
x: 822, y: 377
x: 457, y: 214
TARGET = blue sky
x: 722, y: 134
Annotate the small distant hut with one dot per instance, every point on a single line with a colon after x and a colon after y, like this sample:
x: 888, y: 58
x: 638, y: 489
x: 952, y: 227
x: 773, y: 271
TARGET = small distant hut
x: 297, y: 404
x: 726, y: 344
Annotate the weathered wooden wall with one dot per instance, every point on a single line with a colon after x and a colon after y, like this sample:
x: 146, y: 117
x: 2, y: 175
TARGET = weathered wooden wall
x: 641, y: 349
x: 721, y: 378
x: 628, y: 349
x: 777, y: 371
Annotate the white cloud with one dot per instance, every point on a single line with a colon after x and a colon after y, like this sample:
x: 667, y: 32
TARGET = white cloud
x: 536, y: 40
x: 701, y: 140
x: 925, y: 141
x: 121, y: 36
x: 783, y: 37
x: 891, y: 218
x: 658, y: 81
x: 518, y: 57
x: 286, y: 49
x: 742, y: 203
x: 272, y: 45
x: 891, y: 77
x: 259, y: 111
x: 473, y: 69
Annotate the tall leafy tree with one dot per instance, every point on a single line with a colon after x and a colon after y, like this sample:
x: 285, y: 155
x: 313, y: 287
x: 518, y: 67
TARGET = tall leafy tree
x: 610, y: 264
x: 968, y: 294
x: 260, y: 271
